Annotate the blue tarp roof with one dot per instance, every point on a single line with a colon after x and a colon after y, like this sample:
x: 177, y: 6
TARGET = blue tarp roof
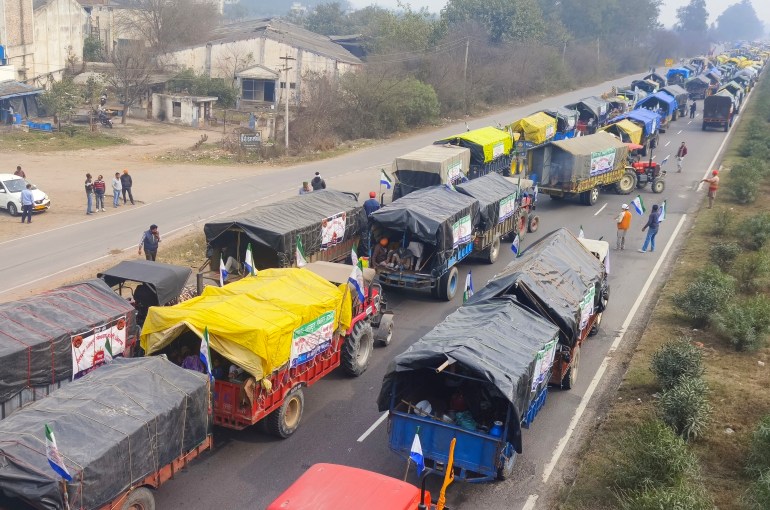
x: 649, y: 120
x: 678, y: 70
x: 658, y: 97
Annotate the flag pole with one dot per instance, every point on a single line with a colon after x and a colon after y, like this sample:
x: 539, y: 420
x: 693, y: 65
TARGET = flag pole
x: 66, y: 495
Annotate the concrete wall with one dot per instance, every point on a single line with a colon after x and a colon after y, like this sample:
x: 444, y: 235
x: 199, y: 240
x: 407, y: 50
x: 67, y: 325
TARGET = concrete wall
x: 59, y: 35
x: 17, y: 35
x: 191, y: 112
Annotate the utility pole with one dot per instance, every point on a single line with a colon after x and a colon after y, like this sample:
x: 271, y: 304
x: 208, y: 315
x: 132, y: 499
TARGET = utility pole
x: 563, y: 52
x: 465, y: 74
x: 286, y: 68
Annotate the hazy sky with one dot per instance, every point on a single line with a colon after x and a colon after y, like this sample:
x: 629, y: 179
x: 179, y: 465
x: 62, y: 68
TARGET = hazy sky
x: 667, y: 9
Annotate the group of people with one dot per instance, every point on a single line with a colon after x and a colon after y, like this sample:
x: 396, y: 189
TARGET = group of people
x: 96, y: 189
x: 317, y: 183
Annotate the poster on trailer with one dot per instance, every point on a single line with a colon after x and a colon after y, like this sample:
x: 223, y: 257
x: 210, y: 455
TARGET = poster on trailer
x: 93, y: 347
x: 311, y: 339
x: 333, y: 230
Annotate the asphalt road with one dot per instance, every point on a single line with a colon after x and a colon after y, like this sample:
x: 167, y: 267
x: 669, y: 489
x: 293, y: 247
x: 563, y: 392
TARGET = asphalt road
x: 248, y: 469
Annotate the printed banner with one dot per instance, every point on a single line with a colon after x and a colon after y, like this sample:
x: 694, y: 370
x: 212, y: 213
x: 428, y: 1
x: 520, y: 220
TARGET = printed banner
x: 550, y: 131
x: 454, y: 172
x: 312, y: 338
x: 543, y: 363
x: 333, y: 230
x: 602, y: 161
x: 587, y: 307
x: 498, y: 150
x: 88, y: 348
x: 507, y: 207
x: 461, y: 231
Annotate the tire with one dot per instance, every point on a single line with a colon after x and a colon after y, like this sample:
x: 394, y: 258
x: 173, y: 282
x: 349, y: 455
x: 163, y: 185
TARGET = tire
x: 675, y: 115
x: 357, y: 348
x: 384, y: 333
x: 595, y: 328
x: 533, y: 224
x: 505, y: 471
x: 626, y: 184
x: 521, y: 228
x: 494, y: 250
x: 139, y: 499
x: 590, y: 197
x: 727, y: 126
x: 570, y: 378
x: 12, y: 209
x: 283, y: 422
x: 658, y: 185
x: 448, y: 284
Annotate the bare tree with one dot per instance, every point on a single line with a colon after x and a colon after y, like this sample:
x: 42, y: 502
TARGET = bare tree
x: 131, y: 76
x: 233, y: 61
x: 164, y: 24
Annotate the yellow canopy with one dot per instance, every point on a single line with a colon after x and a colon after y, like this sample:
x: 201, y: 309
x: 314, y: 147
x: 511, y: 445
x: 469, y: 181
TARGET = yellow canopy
x: 537, y: 128
x: 489, y: 141
x: 633, y: 131
x: 255, y: 321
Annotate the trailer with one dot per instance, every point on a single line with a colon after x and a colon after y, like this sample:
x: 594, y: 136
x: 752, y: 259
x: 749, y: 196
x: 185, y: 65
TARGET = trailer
x: 592, y: 112
x: 491, y: 150
x: 661, y: 104
x: 566, y: 122
x: 698, y: 87
x: 430, y: 166
x: 649, y: 122
x: 681, y: 97
x: 718, y: 111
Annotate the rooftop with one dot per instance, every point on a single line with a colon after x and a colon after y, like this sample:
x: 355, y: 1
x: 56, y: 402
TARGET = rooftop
x: 11, y: 88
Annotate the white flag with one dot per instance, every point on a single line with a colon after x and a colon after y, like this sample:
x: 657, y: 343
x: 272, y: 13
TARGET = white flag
x: 249, y: 261
x: 222, y: 272
x: 301, y: 260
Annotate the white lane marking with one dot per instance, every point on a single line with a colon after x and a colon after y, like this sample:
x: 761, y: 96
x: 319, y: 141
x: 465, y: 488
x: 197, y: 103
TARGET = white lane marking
x: 56, y: 273
x: 689, y: 122
x: 373, y: 427
x: 600, y: 210
x: 605, y: 362
x: 713, y: 161
x: 679, y: 132
x: 668, y: 142
x: 654, y: 157
x: 530, y: 504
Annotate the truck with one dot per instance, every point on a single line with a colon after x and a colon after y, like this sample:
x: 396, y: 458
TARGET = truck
x: 592, y: 113
x: 121, y: 431
x: 718, y: 111
x: 698, y: 87
x: 737, y: 91
x: 677, y: 76
x: 655, y: 77
x: 665, y: 106
x: 433, y: 228
x: 49, y: 339
x: 483, y: 374
x: 491, y: 150
x: 649, y: 122
x: 430, y: 166
x: 680, y: 95
x: 278, y: 332
x: 580, y: 167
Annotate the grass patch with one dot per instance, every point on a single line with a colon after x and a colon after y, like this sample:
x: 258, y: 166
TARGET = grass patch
x: 66, y: 140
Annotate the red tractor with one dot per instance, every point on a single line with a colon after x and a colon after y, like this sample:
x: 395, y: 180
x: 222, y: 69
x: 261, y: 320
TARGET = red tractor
x: 649, y: 172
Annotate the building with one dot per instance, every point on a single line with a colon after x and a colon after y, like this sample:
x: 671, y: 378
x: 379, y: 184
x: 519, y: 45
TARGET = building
x: 182, y: 109
x: 22, y: 98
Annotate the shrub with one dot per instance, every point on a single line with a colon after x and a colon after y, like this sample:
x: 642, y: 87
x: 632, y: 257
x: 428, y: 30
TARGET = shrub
x: 744, y: 183
x: 751, y: 271
x: 758, y: 495
x: 652, y: 454
x: 685, y: 408
x: 754, y: 148
x: 723, y: 220
x: 759, y: 449
x: 690, y: 496
x: 705, y: 294
x: 756, y: 230
x: 676, y: 360
x: 745, y: 324
x: 723, y: 254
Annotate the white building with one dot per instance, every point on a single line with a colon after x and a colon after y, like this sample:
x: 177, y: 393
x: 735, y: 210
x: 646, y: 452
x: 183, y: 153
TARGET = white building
x: 182, y: 109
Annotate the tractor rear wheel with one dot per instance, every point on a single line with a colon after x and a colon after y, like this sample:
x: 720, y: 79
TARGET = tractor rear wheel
x: 357, y: 348
x: 283, y: 422
x: 627, y: 183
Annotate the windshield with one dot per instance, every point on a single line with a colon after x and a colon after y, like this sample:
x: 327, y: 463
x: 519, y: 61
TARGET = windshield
x: 15, y: 185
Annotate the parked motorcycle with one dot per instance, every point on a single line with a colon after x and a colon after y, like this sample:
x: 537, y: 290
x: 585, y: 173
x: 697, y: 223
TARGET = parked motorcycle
x: 105, y: 120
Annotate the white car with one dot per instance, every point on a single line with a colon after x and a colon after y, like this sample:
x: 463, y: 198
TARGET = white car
x: 11, y: 187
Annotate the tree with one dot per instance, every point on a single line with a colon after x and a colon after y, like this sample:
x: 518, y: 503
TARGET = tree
x: 739, y: 22
x: 201, y: 85
x: 233, y: 61
x: 328, y: 19
x: 505, y: 20
x: 693, y: 17
x: 131, y: 74
x: 91, y: 92
x: 61, y: 99
x: 164, y: 24
x: 93, y: 51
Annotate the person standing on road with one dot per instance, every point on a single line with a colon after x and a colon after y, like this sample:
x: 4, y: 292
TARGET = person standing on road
x: 116, y: 188
x: 653, y: 222
x: 150, y: 240
x: 89, y: 193
x: 126, y: 183
x: 680, y: 154
x: 306, y: 188
x: 713, y: 186
x: 372, y: 204
x: 624, y: 223
x: 318, y: 182
x: 100, y: 187
x: 26, y: 203
x: 20, y: 173
x: 693, y: 107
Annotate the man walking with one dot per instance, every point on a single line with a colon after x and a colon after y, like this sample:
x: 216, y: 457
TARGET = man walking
x: 26, y: 203
x: 318, y: 182
x: 693, y: 107
x: 99, y: 189
x: 713, y: 186
x: 624, y: 223
x: 116, y: 188
x: 20, y: 173
x: 126, y: 183
x: 150, y: 240
x: 680, y: 154
x: 653, y: 222
x: 89, y: 193
x: 372, y: 204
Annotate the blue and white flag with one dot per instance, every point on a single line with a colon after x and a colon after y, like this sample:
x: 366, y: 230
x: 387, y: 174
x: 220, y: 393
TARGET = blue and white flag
x: 356, y: 277
x: 468, y: 287
x: 581, y: 234
x: 54, y: 457
x: 515, y: 245
x: 222, y: 272
x: 665, y: 160
x: 662, y: 215
x: 249, y: 261
x: 205, y: 354
x: 638, y: 205
x: 535, y: 192
x: 415, y: 455
x: 385, y: 179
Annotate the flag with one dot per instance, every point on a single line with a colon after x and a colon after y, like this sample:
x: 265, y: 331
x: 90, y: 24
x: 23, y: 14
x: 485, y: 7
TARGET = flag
x: 665, y: 160
x: 385, y: 179
x: 416, y: 454
x: 222, y: 272
x: 515, y: 245
x: 468, y: 287
x: 356, y: 277
x: 249, y: 261
x: 300, y: 253
x: 205, y: 353
x: 581, y: 234
x: 535, y: 192
x: 108, y: 350
x: 54, y: 458
x: 450, y: 186
x: 638, y: 205
x: 662, y: 215
x: 607, y: 263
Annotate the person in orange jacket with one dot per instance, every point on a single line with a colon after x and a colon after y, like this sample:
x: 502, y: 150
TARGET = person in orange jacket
x: 624, y: 223
x: 713, y: 186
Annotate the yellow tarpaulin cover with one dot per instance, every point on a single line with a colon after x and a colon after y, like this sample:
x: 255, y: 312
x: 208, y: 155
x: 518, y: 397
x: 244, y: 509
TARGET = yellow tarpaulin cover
x: 492, y: 141
x: 252, y: 322
x: 537, y: 128
x: 633, y: 131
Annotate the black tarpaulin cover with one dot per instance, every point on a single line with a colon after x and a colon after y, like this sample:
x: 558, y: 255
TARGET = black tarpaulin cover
x: 489, y: 190
x: 552, y: 277
x: 113, y: 427
x: 166, y: 280
x: 277, y: 225
x: 428, y: 215
x: 497, y: 340
x: 36, y: 332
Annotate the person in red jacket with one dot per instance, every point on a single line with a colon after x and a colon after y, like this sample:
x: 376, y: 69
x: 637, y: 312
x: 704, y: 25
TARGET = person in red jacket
x: 99, y: 188
x: 680, y: 154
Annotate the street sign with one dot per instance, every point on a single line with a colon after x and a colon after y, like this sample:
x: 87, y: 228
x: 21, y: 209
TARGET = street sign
x: 251, y: 140
x: 669, y: 62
